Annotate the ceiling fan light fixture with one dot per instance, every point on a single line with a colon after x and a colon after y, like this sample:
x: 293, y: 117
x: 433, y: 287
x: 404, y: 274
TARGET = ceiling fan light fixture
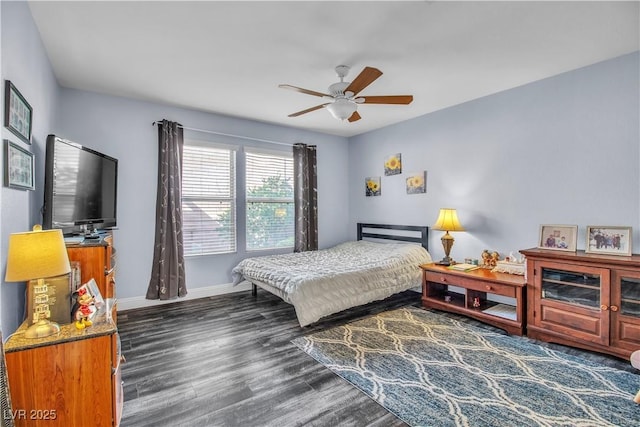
x: 342, y: 97
x: 342, y: 108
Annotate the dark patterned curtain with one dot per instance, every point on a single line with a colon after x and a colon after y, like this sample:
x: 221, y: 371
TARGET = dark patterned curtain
x: 306, y: 197
x: 167, y: 276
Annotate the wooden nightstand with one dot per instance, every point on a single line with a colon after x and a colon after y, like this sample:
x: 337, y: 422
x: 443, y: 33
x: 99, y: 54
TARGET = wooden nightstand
x: 470, y: 293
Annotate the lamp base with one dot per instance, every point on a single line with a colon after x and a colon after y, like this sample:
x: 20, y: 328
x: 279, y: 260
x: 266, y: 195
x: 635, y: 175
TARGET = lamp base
x: 447, y: 243
x: 42, y: 328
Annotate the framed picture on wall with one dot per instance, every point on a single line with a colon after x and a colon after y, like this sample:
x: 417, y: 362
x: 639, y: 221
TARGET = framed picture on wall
x: 393, y: 164
x: 18, y: 114
x: 18, y: 167
x: 606, y: 239
x: 416, y: 182
x: 558, y: 237
x: 372, y: 186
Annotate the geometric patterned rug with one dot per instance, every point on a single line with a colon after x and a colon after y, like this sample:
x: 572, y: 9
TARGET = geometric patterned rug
x: 432, y: 370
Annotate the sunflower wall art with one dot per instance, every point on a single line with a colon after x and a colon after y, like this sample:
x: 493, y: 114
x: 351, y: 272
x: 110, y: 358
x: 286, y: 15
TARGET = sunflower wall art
x: 393, y: 165
x: 417, y: 182
x: 372, y: 186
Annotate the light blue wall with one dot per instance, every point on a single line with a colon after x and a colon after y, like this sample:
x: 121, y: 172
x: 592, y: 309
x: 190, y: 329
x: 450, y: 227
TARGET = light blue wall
x: 25, y: 63
x: 564, y: 150
x: 123, y: 129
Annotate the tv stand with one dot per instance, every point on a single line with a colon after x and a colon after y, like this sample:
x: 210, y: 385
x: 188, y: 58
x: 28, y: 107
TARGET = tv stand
x: 87, y: 230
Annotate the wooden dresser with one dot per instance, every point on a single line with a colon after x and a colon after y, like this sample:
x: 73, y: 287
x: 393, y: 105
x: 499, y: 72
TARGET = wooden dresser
x: 72, y: 378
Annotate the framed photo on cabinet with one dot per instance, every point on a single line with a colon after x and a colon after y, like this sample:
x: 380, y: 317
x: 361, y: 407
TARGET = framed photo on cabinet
x: 610, y: 240
x: 558, y: 237
x: 18, y: 114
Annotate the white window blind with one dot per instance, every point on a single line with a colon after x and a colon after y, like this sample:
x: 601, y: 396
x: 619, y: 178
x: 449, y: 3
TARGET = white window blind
x: 208, y: 200
x: 269, y: 196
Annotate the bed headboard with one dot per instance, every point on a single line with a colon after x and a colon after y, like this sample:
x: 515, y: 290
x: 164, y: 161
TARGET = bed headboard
x: 422, y: 230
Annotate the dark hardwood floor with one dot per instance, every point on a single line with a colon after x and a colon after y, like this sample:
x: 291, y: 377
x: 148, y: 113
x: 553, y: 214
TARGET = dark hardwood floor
x: 228, y: 361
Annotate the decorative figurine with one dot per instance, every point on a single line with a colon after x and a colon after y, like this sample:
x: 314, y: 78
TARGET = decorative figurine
x: 83, y: 309
x: 486, y: 259
x: 490, y: 258
x: 476, y: 302
x: 495, y: 257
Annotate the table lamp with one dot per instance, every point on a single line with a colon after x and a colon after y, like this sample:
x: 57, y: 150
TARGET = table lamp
x: 447, y: 221
x: 34, y: 256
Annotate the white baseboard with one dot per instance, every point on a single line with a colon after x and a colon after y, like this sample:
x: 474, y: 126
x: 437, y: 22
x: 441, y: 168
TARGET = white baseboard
x: 207, y: 291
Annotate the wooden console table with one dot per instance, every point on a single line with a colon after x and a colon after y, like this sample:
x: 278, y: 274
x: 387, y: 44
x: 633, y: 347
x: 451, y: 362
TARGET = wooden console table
x: 471, y: 295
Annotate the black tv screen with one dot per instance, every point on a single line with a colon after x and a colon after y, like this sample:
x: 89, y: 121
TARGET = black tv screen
x: 80, y: 186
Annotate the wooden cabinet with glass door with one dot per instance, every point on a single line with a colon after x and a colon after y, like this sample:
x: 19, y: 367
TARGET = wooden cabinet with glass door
x: 625, y: 310
x: 589, y: 301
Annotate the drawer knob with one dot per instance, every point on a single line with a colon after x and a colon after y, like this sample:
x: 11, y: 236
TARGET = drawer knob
x: 614, y: 308
x: 443, y: 279
x: 488, y: 287
x: 604, y: 307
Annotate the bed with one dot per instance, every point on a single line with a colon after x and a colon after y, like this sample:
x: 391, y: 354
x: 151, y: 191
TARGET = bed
x: 383, y: 261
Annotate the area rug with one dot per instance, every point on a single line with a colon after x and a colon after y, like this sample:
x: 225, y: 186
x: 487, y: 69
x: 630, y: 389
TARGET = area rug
x: 432, y: 370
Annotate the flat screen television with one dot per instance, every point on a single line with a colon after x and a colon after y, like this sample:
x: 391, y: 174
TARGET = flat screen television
x: 80, y: 188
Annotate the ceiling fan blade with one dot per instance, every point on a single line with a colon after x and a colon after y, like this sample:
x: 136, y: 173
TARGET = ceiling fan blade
x: 308, y: 110
x: 391, y: 99
x: 364, y: 79
x: 355, y: 116
x: 301, y: 90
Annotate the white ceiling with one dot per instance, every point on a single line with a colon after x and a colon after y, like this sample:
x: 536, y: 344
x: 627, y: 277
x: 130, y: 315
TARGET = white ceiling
x: 229, y: 57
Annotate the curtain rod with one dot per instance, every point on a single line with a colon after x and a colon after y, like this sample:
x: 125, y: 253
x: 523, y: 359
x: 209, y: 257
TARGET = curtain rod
x: 230, y: 134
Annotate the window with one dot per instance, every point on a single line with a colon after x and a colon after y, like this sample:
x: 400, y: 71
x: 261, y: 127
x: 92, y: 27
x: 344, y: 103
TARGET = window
x: 269, y: 196
x: 208, y: 200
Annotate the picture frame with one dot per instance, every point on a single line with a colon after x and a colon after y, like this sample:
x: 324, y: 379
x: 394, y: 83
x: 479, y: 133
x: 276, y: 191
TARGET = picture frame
x: 558, y: 237
x: 373, y: 186
x: 609, y: 240
x: 18, y: 167
x: 393, y: 164
x: 416, y: 182
x: 18, y: 114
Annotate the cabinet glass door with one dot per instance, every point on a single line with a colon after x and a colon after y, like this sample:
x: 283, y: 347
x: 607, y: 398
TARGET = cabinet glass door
x: 630, y: 296
x: 571, y: 287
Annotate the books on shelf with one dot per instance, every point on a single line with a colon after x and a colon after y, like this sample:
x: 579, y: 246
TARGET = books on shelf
x: 463, y: 267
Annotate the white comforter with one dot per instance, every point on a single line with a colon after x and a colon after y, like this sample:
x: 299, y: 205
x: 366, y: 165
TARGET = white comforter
x: 319, y: 283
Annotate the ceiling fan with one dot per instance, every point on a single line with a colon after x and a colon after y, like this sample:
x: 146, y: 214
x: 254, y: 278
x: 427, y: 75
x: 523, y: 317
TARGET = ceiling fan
x: 342, y: 96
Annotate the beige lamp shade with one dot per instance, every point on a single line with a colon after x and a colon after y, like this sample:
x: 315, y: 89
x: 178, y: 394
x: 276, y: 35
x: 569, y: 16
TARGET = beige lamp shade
x: 448, y: 221
x: 36, y: 255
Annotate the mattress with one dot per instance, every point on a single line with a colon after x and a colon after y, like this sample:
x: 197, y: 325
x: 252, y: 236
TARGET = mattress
x: 319, y: 283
